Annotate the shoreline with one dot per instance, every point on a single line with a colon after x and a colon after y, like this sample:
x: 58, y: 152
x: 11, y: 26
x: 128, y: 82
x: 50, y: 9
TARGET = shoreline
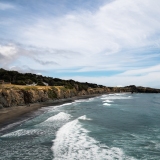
x: 12, y: 115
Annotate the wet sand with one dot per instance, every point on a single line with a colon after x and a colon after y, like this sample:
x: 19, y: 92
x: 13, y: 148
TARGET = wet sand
x: 13, y: 114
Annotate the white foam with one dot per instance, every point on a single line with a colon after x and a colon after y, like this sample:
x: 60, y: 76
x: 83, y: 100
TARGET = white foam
x: 84, y: 100
x: 13, y: 125
x: 106, y: 104
x: 91, y: 99
x: 120, y: 94
x: 104, y: 95
x: 72, y: 142
x: 108, y: 101
x: 23, y: 132
x: 59, y: 117
x: 66, y: 104
x: 117, y: 97
x: 79, y: 101
x: 84, y: 118
x: 56, y: 120
x: 52, y: 108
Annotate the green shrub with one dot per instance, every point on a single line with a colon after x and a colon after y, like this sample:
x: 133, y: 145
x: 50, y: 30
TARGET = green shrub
x: 68, y: 86
x: 52, y: 94
x: 54, y: 88
x: 40, y: 83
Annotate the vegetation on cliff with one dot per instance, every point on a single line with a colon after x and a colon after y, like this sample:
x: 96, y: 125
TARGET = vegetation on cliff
x: 17, y: 78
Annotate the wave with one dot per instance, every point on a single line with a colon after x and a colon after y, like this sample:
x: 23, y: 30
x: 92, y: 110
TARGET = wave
x: 72, y: 142
x: 106, y: 104
x: 56, y: 121
x: 80, y: 100
x: 117, y: 97
x: 66, y: 104
x: 108, y: 101
x: 104, y: 95
x: 84, y: 118
x: 84, y: 100
x: 13, y: 125
x: 59, y: 117
x: 23, y: 132
x: 120, y: 94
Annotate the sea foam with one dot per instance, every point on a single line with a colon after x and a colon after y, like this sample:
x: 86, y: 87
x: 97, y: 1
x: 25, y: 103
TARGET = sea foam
x: 59, y: 117
x: 106, y: 104
x: 84, y: 118
x: 66, y: 104
x: 23, y: 132
x: 108, y: 101
x: 73, y: 142
x: 117, y: 97
x: 55, y: 121
x: 84, y: 100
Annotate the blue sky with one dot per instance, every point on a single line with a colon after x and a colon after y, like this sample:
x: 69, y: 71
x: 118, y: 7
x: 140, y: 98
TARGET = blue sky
x: 109, y: 42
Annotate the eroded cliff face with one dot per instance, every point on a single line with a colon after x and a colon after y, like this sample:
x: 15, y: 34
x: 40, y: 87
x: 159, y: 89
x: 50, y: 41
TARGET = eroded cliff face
x: 15, y: 97
x: 11, y: 97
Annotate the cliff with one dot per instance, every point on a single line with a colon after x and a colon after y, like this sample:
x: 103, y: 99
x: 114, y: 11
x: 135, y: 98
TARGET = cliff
x: 11, y: 96
x: 14, y: 96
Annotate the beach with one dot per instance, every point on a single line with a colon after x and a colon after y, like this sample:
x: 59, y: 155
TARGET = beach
x: 13, y: 114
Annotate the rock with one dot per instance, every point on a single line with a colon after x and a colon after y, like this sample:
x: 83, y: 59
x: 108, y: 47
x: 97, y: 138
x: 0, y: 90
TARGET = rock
x: 1, y: 106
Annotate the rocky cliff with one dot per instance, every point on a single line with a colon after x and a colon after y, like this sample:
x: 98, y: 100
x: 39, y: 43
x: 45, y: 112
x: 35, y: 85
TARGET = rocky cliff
x: 10, y: 97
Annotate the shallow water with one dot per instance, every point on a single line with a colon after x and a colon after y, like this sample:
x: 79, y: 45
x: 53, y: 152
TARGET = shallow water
x: 109, y: 127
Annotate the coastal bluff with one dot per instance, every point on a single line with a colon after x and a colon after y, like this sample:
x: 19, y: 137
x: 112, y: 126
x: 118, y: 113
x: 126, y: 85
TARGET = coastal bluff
x: 14, y: 95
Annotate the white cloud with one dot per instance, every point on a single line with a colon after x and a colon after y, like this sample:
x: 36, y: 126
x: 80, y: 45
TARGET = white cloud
x: 8, y: 50
x: 143, y: 71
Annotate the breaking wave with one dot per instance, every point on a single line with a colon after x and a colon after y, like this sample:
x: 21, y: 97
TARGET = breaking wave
x: 23, y: 132
x: 106, y: 104
x: 72, y: 142
x: 108, y: 101
x: 59, y: 117
x: 117, y: 97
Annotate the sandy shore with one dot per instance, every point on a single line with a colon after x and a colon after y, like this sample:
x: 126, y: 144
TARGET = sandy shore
x: 13, y: 114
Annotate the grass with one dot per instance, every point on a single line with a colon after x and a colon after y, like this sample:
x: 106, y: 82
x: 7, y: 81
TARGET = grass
x: 24, y: 87
x: 12, y: 86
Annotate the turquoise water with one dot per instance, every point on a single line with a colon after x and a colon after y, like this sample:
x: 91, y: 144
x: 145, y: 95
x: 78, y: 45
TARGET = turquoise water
x: 109, y: 127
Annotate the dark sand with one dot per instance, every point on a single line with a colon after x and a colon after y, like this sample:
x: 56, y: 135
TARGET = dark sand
x: 13, y: 114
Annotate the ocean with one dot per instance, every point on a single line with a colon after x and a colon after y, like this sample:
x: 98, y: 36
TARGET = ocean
x: 109, y: 127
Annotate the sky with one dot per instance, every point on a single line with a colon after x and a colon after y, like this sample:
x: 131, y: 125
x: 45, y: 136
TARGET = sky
x: 108, y: 42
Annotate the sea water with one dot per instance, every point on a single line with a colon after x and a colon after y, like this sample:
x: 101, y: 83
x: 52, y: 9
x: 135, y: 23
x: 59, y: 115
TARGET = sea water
x: 108, y: 127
